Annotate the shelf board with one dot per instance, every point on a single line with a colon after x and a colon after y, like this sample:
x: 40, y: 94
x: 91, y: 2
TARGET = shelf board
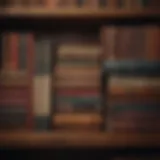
x: 77, y: 139
x: 77, y: 13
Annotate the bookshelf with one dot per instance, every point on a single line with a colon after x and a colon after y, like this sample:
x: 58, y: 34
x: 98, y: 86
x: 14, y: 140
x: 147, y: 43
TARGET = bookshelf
x: 77, y: 139
x: 77, y: 13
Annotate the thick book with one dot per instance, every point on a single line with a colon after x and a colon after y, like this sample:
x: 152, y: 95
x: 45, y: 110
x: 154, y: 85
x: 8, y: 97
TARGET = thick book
x: 76, y: 84
x: 133, y: 118
x: 77, y: 70
x: 77, y: 121
x: 132, y: 85
x: 13, y: 117
x: 41, y: 101
x: 42, y: 83
x: 79, y: 51
x: 14, y: 78
x: 132, y: 68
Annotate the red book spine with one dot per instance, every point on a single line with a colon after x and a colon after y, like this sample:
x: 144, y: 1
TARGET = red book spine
x: 13, y: 50
x: 30, y: 60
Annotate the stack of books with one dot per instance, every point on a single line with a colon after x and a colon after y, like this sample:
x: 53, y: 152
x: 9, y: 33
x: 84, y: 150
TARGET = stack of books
x: 132, y: 78
x: 15, y: 81
x: 77, y: 83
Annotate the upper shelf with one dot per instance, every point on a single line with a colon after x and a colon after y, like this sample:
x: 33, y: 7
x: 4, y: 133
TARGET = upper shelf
x: 77, y: 13
x: 77, y: 139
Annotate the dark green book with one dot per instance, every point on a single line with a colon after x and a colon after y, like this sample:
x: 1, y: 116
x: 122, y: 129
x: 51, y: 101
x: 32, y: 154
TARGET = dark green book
x: 136, y: 68
x: 43, y: 56
x: 42, y: 123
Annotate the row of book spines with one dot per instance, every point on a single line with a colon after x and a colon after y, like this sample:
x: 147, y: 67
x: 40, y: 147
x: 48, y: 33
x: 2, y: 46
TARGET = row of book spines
x: 85, y: 3
x: 15, y: 50
x: 142, y: 42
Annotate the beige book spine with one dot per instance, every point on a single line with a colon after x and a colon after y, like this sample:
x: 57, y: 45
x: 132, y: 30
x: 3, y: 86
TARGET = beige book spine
x: 41, y: 95
x: 78, y: 50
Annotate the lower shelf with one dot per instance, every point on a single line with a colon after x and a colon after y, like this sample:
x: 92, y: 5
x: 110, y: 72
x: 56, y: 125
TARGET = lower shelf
x: 77, y: 139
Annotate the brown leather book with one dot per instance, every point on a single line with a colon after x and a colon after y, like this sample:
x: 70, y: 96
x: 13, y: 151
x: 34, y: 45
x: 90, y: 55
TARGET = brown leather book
x: 77, y: 121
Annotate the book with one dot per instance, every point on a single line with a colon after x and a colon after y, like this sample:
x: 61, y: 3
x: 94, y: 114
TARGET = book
x: 131, y: 86
x: 23, y: 48
x: 108, y: 39
x: 13, y: 117
x: 131, y: 42
x: 13, y: 50
x: 79, y: 51
x: 132, y: 67
x: 14, y: 78
x: 42, y: 83
x: 133, y: 118
x: 76, y: 84
x: 11, y: 96
x: 77, y: 121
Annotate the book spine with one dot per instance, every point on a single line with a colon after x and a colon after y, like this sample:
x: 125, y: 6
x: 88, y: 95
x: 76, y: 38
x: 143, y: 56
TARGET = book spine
x: 42, y: 83
x: 30, y: 61
x: 13, y: 50
x: 23, y: 51
x: 12, y: 117
x: 152, y: 42
x: 79, y: 51
x: 5, y: 52
x: 108, y: 38
x: 133, y: 117
x: 13, y: 96
x: 77, y: 121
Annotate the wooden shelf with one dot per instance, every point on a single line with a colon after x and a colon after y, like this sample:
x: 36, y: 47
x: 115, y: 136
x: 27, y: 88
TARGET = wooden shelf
x: 77, y: 13
x: 80, y: 139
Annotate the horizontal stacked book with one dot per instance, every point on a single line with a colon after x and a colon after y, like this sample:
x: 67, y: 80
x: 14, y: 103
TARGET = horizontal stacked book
x: 93, y: 4
x: 15, y: 81
x: 77, y: 85
x: 132, y: 84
